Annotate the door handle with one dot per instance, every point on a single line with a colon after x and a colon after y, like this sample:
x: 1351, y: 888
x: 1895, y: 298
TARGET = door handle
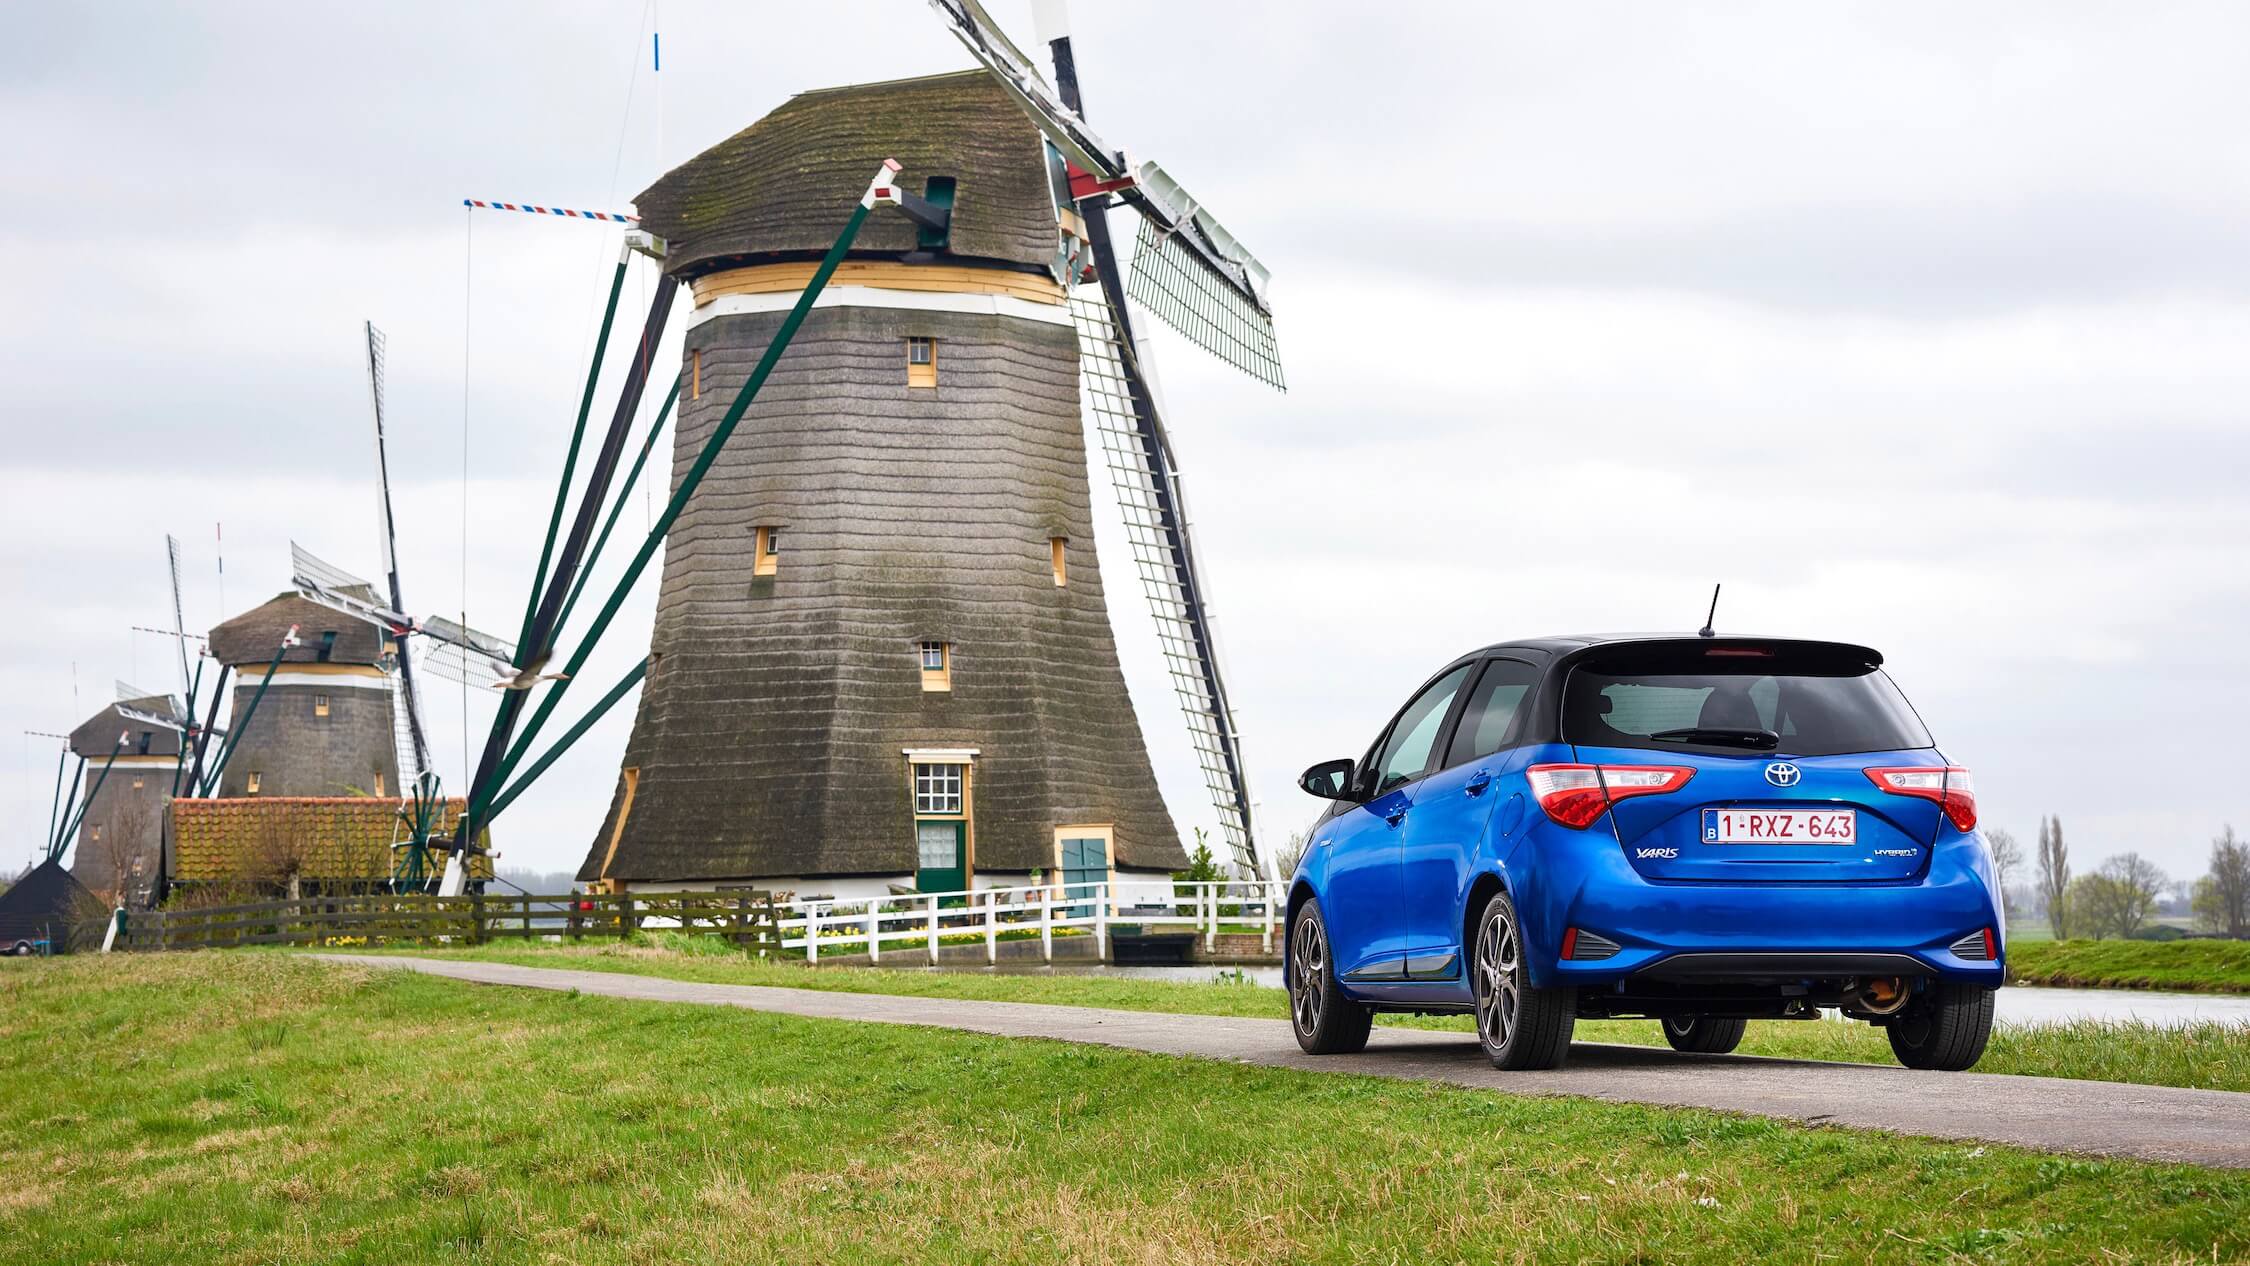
x: 1478, y: 782
x: 1396, y: 816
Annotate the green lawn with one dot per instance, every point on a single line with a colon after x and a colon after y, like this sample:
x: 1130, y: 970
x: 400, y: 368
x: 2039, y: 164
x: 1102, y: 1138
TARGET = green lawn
x: 2204, y: 1056
x: 245, y: 1107
x: 2207, y: 966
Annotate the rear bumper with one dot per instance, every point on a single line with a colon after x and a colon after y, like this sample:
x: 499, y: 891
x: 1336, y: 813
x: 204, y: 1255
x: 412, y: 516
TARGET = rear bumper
x: 1764, y: 931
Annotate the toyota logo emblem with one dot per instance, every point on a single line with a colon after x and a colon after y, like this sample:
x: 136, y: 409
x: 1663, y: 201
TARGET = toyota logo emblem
x: 1783, y: 774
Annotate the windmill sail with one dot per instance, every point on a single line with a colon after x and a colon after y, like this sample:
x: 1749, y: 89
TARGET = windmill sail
x: 1148, y: 496
x: 417, y: 746
x: 179, y: 620
x: 459, y: 653
x: 1179, y: 285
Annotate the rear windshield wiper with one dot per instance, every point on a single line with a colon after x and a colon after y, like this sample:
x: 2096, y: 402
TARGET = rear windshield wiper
x: 1759, y: 740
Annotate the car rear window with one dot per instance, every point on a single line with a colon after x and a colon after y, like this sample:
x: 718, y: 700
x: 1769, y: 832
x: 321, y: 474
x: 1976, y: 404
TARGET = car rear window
x: 1816, y: 703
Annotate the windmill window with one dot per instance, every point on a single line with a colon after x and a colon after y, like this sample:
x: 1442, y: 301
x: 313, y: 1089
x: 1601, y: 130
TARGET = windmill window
x: 1057, y: 548
x: 937, y: 665
x: 327, y: 644
x: 378, y: 782
x: 96, y: 837
x: 137, y: 784
x: 937, y: 788
x: 921, y: 362
x: 768, y: 557
x: 320, y: 705
x: 695, y: 374
x: 252, y: 786
x: 147, y: 737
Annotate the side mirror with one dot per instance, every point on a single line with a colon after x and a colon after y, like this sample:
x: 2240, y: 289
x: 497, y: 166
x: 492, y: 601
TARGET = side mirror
x: 1330, y: 779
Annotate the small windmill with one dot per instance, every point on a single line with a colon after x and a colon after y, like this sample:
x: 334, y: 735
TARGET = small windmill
x: 1199, y: 279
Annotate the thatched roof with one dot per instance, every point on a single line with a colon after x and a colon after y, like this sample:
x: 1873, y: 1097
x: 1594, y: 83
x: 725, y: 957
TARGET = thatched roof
x: 782, y: 187
x: 323, y: 837
x: 253, y: 637
x: 96, y: 736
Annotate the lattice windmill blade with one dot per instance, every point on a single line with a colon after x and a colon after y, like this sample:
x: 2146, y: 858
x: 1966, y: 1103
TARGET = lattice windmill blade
x: 179, y: 619
x: 339, y: 590
x: 461, y: 654
x: 174, y: 721
x: 1156, y: 527
x: 1187, y: 268
x: 407, y: 705
x: 127, y: 692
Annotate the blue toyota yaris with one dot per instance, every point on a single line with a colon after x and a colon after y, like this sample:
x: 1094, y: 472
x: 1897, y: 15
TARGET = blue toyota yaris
x: 1695, y: 830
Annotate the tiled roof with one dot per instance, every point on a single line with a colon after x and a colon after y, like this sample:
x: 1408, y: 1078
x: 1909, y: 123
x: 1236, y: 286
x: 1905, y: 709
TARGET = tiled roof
x: 320, y: 837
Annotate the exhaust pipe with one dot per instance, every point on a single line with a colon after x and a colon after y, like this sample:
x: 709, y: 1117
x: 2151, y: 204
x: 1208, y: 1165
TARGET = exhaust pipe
x: 1882, y: 995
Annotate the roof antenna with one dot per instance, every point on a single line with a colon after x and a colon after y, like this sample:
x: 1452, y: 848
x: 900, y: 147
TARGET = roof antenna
x: 1712, y: 618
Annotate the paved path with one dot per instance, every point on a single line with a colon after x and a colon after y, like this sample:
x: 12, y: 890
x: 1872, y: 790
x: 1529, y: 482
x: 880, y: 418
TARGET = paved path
x: 2206, y: 1127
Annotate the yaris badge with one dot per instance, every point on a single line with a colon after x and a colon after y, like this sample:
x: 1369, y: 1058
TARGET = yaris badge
x: 1783, y: 774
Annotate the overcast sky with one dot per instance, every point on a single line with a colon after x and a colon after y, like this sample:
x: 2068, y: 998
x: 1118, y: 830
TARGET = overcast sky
x: 1921, y: 325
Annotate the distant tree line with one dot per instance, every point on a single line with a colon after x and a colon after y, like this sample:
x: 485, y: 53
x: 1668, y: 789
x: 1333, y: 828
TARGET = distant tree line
x: 2123, y: 896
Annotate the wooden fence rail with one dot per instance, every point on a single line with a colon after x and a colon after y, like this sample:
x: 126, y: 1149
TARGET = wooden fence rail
x: 747, y: 918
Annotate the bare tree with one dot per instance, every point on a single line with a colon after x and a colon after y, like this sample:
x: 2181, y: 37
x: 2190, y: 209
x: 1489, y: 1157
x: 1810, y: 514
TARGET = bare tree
x: 2221, y: 899
x: 2119, y: 898
x: 1287, y: 857
x: 2007, y: 858
x: 2054, y: 877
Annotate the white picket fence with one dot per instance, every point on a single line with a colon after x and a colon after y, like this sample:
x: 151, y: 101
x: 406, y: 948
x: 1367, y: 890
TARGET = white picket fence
x: 916, y: 923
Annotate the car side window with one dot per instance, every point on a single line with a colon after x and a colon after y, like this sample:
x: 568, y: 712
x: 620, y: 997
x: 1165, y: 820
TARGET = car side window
x: 1405, y: 755
x: 1488, y: 721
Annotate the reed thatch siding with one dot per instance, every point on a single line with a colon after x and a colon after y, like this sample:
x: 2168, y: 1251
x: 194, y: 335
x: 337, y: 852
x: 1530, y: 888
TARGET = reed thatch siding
x: 769, y: 736
x: 252, y: 637
x: 783, y: 186
x: 118, y: 851
x: 294, y: 751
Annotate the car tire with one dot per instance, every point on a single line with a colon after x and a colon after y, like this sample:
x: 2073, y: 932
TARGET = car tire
x: 1703, y: 1034
x: 21, y: 949
x: 1325, y: 1021
x: 1945, y: 1029
x: 1519, y: 1027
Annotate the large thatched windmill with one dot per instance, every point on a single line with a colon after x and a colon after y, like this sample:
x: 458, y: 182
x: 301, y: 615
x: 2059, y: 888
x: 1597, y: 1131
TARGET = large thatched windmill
x: 882, y: 653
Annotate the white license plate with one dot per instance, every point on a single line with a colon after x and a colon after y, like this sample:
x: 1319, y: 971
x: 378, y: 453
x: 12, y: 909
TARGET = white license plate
x: 1780, y: 826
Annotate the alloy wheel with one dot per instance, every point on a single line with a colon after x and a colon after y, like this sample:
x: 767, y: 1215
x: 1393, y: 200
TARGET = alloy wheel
x: 1499, y: 957
x: 1308, y: 960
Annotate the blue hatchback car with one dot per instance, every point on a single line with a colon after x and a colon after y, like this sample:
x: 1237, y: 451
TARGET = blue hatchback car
x: 1695, y: 830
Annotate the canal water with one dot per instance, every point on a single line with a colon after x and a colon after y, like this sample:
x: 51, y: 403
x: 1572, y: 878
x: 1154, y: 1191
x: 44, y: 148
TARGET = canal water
x: 2018, y: 1004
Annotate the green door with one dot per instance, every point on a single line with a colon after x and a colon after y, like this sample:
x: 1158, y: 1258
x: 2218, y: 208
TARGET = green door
x: 1084, y: 862
x: 943, y: 846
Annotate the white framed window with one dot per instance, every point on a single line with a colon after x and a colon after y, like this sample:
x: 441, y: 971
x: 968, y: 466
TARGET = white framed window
x: 937, y: 787
x: 320, y: 705
x: 921, y: 362
x: 767, y: 559
x: 252, y: 788
x: 933, y: 657
x: 937, y: 665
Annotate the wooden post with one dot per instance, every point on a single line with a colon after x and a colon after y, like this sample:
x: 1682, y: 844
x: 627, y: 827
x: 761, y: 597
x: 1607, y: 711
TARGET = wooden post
x: 933, y: 929
x: 874, y: 934
x: 991, y: 925
x: 1047, y: 923
x: 742, y: 920
x: 627, y: 923
x: 1265, y: 926
x: 477, y: 933
x: 1210, y: 918
x: 812, y: 934
x: 1101, y: 922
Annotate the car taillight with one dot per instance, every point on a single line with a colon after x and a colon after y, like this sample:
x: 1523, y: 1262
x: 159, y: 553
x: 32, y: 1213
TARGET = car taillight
x: 1949, y: 785
x: 1576, y: 795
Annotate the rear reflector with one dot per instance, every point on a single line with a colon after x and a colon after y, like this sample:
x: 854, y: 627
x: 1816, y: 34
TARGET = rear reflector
x: 1581, y: 946
x: 1576, y: 795
x: 1949, y: 785
x: 1980, y: 946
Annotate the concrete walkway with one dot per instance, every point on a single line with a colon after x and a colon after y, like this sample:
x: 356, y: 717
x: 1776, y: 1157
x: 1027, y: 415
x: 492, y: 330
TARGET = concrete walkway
x: 2204, y: 1127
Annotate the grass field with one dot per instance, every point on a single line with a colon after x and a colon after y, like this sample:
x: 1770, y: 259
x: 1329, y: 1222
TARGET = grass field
x: 245, y: 1107
x: 2206, y: 1056
x: 2201, y: 965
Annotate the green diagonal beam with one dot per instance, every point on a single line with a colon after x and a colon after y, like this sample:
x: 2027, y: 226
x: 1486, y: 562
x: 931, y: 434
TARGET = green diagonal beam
x: 570, y: 736
x: 586, y: 568
x: 570, y: 462
x: 482, y: 797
